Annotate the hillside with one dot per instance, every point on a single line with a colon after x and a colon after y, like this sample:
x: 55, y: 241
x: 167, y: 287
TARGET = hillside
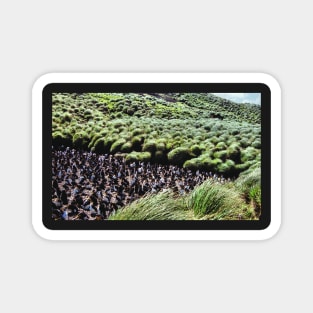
x: 196, y: 131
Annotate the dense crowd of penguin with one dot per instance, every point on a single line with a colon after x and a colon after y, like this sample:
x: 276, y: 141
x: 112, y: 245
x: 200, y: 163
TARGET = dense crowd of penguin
x: 90, y: 186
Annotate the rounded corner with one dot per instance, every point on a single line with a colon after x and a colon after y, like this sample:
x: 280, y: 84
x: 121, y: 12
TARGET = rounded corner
x: 41, y: 229
x: 271, y: 230
x: 271, y: 82
x: 42, y: 82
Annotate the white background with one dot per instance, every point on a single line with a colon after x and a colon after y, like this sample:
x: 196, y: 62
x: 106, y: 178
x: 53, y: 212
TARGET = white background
x: 165, y: 36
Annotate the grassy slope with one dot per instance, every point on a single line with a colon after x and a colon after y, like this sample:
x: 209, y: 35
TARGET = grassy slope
x: 198, y: 131
x: 209, y: 201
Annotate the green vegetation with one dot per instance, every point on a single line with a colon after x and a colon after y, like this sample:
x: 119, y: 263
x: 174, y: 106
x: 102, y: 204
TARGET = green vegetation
x: 209, y: 201
x: 138, y: 157
x: 197, y: 131
x: 191, y: 130
x: 249, y: 186
x: 162, y: 206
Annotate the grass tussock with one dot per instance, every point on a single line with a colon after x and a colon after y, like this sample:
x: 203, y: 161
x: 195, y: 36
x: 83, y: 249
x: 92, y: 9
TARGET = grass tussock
x: 208, y: 201
x: 197, y: 131
x: 179, y: 128
x: 215, y: 201
x: 161, y: 206
x: 249, y: 186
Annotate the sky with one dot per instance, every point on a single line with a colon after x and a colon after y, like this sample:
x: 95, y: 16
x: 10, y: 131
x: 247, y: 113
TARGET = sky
x: 241, y: 97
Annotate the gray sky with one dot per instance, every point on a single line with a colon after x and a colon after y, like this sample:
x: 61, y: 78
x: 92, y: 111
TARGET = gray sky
x: 241, y: 97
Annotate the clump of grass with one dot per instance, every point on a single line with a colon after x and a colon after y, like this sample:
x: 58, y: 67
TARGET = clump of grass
x: 161, y: 145
x: 160, y: 157
x: 117, y: 145
x: 126, y: 147
x: 94, y: 140
x: 196, y: 150
x: 80, y: 140
x: 149, y: 146
x: 220, y: 155
x: 213, y: 201
x: 209, y: 201
x: 221, y: 146
x: 87, y: 113
x: 214, y: 164
x: 138, y: 157
x: 227, y: 168
x: 257, y: 144
x: 179, y: 156
x: 137, y: 143
x: 246, y: 181
x: 66, y: 117
x: 255, y: 196
x: 137, y: 131
x: 161, y: 206
x: 249, y: 185
x: 234, y: 152
x: 193, y: 164
x: 249, y: 154
x: 59, y: 139
x: 99, y: 146
x: 203, y: 162
x: 157, y: 124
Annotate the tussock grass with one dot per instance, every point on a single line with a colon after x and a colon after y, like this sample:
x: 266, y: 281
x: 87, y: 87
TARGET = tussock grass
x: 212, y: 200
x: 179, y: 128
x: 209, y: 201
x: 161, y: 206
x: 246, y: 181
x: 249, y: 186
x: 255, y: 196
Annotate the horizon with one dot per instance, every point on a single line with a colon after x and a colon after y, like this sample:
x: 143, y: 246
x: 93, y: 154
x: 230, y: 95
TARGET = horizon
x: 254, y: 98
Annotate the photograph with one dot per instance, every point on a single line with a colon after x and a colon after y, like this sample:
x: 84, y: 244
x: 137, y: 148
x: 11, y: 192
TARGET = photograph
x: 156, y: 156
